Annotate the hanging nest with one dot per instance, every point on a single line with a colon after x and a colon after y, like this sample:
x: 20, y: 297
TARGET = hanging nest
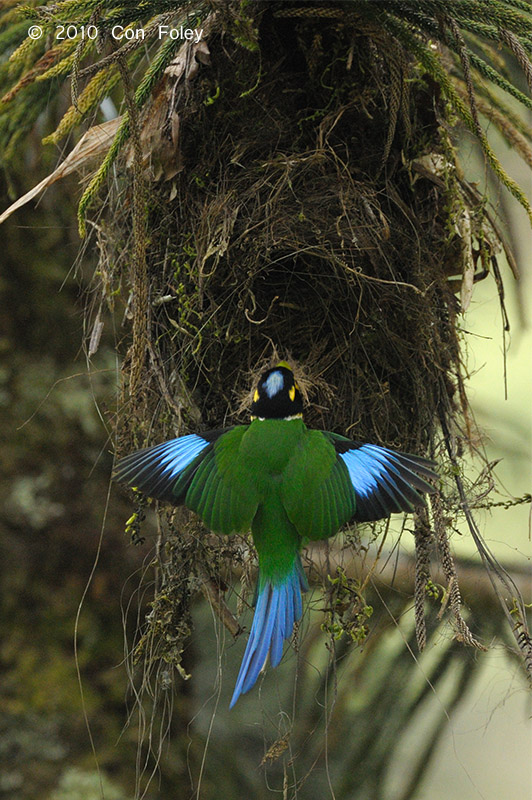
x: 313, y: 209
x: 288, y: 187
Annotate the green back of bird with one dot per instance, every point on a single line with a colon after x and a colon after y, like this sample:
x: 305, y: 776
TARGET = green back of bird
x: 279, y: 479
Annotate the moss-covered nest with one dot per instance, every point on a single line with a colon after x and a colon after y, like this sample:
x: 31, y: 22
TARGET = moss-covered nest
x: 306, y: 219
x: 313, y: 208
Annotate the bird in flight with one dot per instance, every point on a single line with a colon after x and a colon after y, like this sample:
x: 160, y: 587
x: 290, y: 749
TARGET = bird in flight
x: 286, y: 483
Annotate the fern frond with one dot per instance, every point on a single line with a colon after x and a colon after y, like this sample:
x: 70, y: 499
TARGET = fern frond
x: 92, y: 94
x: 159, y: 63
x: 434, y: 67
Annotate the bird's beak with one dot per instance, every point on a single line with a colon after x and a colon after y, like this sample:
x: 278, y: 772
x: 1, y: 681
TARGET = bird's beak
x: 285, y: 365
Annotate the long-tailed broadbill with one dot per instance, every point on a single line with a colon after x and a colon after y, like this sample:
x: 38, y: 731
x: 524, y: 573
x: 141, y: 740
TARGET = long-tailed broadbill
x: 286, y: 483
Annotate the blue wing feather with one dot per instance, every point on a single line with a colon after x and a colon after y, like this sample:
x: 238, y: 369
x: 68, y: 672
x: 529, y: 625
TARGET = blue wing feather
x: 156, y: 469
x: 384, y: 481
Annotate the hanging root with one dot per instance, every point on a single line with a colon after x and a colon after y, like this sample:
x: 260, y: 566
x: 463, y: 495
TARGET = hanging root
x: 423, y: 538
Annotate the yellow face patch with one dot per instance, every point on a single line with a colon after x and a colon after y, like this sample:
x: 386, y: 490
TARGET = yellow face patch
x: 256, y: 396
x: 292, y: 393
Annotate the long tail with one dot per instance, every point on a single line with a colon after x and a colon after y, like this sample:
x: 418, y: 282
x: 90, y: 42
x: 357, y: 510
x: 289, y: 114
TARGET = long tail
x: 278, y: 606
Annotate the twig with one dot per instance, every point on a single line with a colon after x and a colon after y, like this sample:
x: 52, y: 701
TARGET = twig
x: 212, y: 593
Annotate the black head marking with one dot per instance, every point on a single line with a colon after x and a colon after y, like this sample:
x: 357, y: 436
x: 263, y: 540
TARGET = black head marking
x: 277, y: 395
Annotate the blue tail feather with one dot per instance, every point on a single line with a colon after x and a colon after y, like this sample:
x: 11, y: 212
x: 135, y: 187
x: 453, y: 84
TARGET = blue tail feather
x: 289, y: 614
x: 262, y: 639
x: 278, y: 607
x: 278, y: 632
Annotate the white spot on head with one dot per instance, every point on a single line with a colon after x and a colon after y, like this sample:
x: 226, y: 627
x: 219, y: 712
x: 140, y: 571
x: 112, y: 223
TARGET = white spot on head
x: 274, y: 383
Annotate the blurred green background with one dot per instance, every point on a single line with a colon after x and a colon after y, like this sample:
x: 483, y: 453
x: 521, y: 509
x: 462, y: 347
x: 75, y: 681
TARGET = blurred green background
x: 486, y: 751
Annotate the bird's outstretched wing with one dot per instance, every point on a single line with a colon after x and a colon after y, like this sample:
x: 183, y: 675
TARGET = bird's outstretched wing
x: 165, y: 471
x: 384, y: 481
x: 202, y: 471
x: 331, y: 480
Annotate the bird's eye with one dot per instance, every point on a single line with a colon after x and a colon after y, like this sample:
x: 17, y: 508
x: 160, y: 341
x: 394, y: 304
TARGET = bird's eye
x: 292, y: 393
x: 256, y: 396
